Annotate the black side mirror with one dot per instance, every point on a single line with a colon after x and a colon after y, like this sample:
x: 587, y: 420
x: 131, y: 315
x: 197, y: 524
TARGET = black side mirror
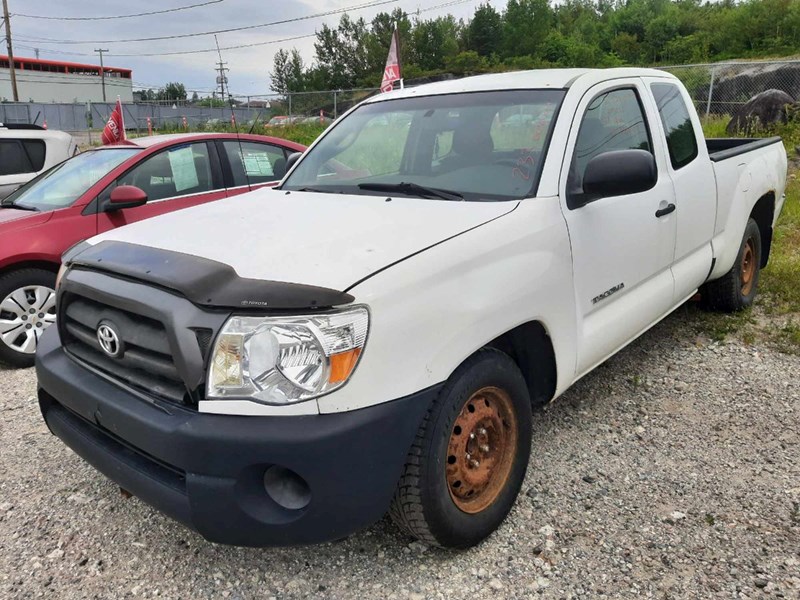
x: 125, y: 196
x: 292, y: 160
x: 616, y: 173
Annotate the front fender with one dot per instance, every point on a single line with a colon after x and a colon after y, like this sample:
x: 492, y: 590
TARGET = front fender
x: 433, y: 310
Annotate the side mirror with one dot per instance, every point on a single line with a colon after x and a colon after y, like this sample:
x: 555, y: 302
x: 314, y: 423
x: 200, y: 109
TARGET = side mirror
x: 292, y: 160
x: 126, y: 196
x: 616, y: 173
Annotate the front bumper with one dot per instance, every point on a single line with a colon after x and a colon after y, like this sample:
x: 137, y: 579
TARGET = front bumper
x: 206, y: 471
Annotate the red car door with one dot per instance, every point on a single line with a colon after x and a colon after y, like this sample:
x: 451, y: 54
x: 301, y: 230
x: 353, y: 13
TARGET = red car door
x: 251, y: 165
x: 176, y: 177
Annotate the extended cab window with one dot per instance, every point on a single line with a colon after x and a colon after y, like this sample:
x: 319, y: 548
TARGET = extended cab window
x: 253, y: 163
x: 681, y: 138
x: 479, y: 146
x: 179, y: 171
x: 613, y: 121
x: 21, y: 156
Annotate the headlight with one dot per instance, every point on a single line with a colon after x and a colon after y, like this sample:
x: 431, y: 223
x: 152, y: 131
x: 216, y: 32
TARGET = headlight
x: 280, y: 360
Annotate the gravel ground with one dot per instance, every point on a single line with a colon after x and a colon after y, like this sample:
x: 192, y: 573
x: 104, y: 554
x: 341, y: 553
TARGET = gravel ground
x: 672, y: 471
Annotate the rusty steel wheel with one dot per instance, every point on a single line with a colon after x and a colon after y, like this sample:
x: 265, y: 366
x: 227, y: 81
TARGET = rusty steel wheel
x: 737, y: 289
x: 469, y: 457
x: 748, y: 266
x: 481, y: 449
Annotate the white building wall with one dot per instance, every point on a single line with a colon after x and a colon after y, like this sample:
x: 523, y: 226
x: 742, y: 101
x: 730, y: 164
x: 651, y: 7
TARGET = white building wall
x: 41, y: 86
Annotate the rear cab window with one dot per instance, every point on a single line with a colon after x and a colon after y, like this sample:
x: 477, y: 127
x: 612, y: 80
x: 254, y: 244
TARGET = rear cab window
x: 675, y: 117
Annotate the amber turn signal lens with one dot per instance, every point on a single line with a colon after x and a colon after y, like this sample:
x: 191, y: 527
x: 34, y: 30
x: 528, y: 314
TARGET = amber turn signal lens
x: 342, y: 364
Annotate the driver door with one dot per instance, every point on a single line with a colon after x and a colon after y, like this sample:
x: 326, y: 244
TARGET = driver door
x: 621, y: 251
x: 177, y: 177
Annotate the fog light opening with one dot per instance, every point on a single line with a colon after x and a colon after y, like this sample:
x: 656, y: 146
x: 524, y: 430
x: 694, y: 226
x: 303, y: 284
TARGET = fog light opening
x: 286, y: 488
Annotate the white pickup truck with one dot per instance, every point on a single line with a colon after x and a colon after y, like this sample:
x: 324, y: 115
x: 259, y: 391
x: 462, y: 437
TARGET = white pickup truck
x: 286, y: 366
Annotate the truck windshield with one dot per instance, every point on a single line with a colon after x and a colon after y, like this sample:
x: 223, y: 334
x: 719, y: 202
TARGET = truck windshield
x: 62, y: 185
x: 478, y: 146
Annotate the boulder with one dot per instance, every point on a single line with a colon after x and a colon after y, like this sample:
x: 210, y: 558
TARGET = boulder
x: 761, y: 111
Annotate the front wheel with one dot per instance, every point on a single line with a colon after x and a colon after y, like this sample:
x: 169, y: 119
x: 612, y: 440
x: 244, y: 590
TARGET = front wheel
x: 27, y: 308
x: 737, y: 289
x: 469, y: 457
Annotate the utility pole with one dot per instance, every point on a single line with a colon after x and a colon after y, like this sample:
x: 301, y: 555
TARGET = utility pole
x: 222, y: 79
x: 11, y: 68
x: 102, y: 70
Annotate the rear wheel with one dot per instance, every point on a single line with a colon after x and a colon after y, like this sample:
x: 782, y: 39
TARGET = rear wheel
x: 470, y: 455
x: 737, y: 289
x: 27, y: 308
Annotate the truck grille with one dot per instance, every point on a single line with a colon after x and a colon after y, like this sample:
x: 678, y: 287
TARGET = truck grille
x: 146, y: 362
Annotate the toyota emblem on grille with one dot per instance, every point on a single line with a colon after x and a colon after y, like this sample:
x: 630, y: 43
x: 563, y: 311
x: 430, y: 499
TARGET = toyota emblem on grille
x: 109, y: 340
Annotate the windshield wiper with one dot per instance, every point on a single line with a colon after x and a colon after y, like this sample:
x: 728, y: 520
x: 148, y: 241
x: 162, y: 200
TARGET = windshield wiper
x: 412, y: 189
x: 19, y: 206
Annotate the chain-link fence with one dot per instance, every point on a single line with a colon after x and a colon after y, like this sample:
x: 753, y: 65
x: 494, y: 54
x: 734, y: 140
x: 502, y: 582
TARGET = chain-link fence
x: 722, y: 88
x: 314, y: 107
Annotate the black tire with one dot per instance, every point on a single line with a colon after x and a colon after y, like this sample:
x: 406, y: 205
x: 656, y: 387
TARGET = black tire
x: 9, y: 283
x: 424, y: 505
x: 736, y: 291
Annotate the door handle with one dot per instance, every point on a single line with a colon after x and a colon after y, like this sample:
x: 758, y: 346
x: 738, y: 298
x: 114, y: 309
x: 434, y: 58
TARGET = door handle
x: 661, y: 212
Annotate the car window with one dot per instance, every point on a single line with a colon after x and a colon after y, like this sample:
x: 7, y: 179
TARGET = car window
x: 35, y: 149
x: 13, y: 158
x: 253, y: 163
x: 177, y: 171
x: 681, y: 137
x: 613, y: 121
x: 482, y: 146
x: 64, y: 183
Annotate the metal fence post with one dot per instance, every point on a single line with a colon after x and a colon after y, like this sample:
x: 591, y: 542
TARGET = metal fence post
x: 290, y: 106
x: 335, y: 107
x: 710, y: 92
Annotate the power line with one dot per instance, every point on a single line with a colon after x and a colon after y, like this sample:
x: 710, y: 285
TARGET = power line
x: 130, y: 16
x: 239, y: 46
x: 371, y: 4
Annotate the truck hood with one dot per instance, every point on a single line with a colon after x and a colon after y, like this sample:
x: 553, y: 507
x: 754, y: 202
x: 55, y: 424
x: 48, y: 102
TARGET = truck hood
x: 325, y: 240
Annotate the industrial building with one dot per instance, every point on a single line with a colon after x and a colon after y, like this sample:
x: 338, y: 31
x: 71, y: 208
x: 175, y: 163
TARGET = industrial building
x: 57, y: 81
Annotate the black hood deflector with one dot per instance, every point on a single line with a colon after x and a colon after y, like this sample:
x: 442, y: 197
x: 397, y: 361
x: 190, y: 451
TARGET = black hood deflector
x: 203, y: 281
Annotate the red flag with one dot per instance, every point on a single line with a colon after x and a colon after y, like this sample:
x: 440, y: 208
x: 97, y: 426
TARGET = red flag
x: 114, y: 130
x: 392, y: 71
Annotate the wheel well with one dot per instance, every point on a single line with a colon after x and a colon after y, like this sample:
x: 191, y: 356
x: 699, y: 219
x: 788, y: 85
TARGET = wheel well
x: 763, y: 213
x: 530, y: 347
x: 31, y: 264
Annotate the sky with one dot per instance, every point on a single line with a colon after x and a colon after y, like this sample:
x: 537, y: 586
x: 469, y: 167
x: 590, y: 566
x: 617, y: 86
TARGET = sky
x: 249, y: 67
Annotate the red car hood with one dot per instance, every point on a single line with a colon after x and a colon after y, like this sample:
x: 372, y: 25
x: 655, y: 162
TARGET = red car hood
x: 12, y: 217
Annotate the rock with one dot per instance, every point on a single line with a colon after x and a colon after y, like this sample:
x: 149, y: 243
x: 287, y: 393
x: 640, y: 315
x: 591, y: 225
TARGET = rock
x: 760, y: 583
x: 56, y: 554
x: 496, y: 585
x: 761, y: 111
x: 589, y: 479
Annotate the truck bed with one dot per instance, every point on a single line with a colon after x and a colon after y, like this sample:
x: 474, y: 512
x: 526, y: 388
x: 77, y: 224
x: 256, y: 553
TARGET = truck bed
x: 723, y: 148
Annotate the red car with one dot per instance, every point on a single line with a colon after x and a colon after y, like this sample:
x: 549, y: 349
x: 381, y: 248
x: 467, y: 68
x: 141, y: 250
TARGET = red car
x: 105, y: 188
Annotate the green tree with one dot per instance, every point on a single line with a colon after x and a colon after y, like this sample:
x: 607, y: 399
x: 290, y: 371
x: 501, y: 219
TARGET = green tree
x: 484, y: 32
x: 172, y: 91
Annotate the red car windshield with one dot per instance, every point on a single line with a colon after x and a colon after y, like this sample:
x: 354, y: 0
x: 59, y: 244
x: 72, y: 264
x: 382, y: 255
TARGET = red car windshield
x: 62, y: 185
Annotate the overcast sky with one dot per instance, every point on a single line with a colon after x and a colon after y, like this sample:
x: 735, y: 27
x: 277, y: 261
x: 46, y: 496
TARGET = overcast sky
x: 249, y: 67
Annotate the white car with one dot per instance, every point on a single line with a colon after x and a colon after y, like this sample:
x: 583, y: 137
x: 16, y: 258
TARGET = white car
x: 285, y: 366
x: 27, y: 150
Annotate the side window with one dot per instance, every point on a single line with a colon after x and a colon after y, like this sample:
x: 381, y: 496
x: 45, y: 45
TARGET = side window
x: 681, y: 138
x: 35, y: 150
x: 13, y: 158
x: 613, y: 121
x: 253, y: 163
x: 179, y: 171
